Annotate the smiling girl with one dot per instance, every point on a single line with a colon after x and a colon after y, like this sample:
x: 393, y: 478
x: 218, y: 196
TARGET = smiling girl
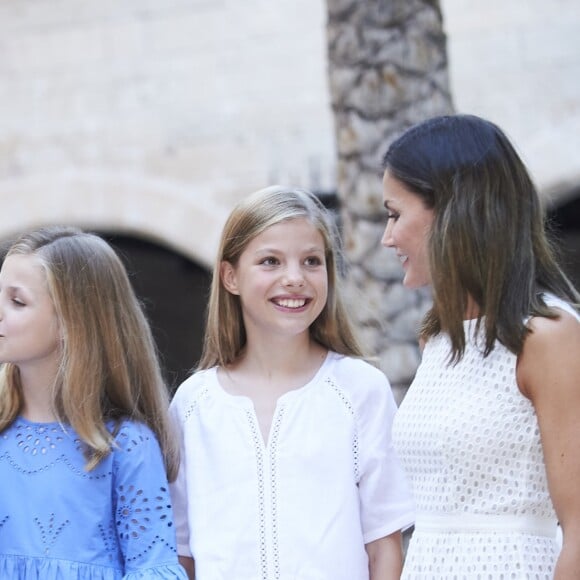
x: 287, y: 467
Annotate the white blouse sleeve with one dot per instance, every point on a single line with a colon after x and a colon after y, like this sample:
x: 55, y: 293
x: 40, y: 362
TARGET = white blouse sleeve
x: 385, y: 499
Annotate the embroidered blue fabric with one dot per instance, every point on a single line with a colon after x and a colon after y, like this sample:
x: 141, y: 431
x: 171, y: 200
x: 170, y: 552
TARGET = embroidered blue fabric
x: 59, y: 521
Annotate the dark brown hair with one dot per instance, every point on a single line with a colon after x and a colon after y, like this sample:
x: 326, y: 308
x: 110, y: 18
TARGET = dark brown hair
x: 488, y: 240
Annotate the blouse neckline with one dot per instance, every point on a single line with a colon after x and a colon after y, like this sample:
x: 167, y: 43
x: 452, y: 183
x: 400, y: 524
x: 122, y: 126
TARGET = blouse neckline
x: 245, y: 401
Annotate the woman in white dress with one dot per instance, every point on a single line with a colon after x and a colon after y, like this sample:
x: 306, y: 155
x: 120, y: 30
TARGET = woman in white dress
x: 489, y: 430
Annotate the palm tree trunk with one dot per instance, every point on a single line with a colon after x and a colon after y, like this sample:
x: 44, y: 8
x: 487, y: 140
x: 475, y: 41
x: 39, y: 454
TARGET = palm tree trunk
x: 387, y: 71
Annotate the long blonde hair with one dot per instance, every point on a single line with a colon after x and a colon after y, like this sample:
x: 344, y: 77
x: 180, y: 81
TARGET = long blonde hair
x: 109, y: 368
x: 225, y: 335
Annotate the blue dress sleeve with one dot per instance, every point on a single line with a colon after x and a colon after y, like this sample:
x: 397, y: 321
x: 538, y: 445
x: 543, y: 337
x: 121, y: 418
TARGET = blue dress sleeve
x: 143, y: 514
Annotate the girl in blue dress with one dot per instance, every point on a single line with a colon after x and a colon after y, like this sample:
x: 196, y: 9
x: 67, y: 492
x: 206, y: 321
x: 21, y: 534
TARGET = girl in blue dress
x: 85, y: 448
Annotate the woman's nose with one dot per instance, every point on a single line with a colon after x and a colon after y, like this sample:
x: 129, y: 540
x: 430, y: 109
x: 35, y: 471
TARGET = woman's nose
x: 387, y: 239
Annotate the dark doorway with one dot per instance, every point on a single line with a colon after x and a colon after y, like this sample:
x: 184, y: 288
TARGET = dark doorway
x: 174, y: 291
x: 565, y: 223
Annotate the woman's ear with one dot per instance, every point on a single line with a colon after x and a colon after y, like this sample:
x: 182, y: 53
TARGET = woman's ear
x: 228, y: 277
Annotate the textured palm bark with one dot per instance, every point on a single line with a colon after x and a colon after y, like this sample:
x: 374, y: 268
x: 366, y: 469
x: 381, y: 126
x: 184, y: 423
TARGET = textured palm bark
x: 387, y: 71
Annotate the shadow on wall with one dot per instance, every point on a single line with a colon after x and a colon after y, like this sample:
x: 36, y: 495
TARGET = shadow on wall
x: 565, y: 224
x: 174, y: 292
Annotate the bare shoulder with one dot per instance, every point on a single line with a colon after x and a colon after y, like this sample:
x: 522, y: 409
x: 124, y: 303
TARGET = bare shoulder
x: 551, y: 354
x: 549, y: 333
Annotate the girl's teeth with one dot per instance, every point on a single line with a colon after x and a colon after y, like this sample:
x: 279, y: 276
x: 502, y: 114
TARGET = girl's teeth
x: 292, y: 303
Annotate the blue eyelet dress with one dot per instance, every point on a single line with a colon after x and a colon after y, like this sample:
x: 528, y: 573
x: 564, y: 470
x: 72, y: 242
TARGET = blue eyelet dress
x: 59, y: 521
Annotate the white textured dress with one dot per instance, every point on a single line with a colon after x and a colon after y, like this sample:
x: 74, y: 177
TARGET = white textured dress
x: 470, y: 444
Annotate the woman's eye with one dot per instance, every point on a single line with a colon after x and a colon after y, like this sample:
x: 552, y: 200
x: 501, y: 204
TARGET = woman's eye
x: 392, y: 216
x: 269, y: 261
x: 17, y: 302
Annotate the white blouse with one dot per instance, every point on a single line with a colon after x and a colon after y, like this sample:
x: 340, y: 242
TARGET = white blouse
x: 302, y: 506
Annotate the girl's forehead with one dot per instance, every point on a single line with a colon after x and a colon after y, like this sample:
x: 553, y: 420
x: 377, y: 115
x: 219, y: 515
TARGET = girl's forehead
x: 290, y: 229
x: 24, y: 270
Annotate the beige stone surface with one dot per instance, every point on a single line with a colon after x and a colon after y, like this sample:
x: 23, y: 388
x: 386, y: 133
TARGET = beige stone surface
x: 156, y: 116
x: 518, y: 63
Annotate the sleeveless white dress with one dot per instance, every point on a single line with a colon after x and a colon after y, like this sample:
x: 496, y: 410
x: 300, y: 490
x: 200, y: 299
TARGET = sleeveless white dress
x: 470, y: 444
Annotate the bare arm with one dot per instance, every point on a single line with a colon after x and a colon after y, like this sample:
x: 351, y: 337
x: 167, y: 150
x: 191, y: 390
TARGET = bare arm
x: 385, y: 557
x: 549, y: 374
x: 188, y: 565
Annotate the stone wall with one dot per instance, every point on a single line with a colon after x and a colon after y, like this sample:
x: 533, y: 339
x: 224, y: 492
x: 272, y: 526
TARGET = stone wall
x: 518, y: 63
x: 152, y: 117
x: 107, y: 106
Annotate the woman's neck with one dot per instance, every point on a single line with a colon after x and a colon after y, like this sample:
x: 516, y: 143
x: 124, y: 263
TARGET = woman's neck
x: 472, y: 309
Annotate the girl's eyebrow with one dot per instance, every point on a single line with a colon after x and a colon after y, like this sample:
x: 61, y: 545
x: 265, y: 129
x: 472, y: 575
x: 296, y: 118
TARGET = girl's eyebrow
x: 26, y: 291
x: 278, y: 251
x: 267, y: 251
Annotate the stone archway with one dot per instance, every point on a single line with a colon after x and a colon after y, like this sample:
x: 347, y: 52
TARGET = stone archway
x: 183, y: 218
x: 173, y: 291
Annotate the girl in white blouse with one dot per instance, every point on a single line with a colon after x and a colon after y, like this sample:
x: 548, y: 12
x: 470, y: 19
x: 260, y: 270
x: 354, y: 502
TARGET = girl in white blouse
x: 287, y: 466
